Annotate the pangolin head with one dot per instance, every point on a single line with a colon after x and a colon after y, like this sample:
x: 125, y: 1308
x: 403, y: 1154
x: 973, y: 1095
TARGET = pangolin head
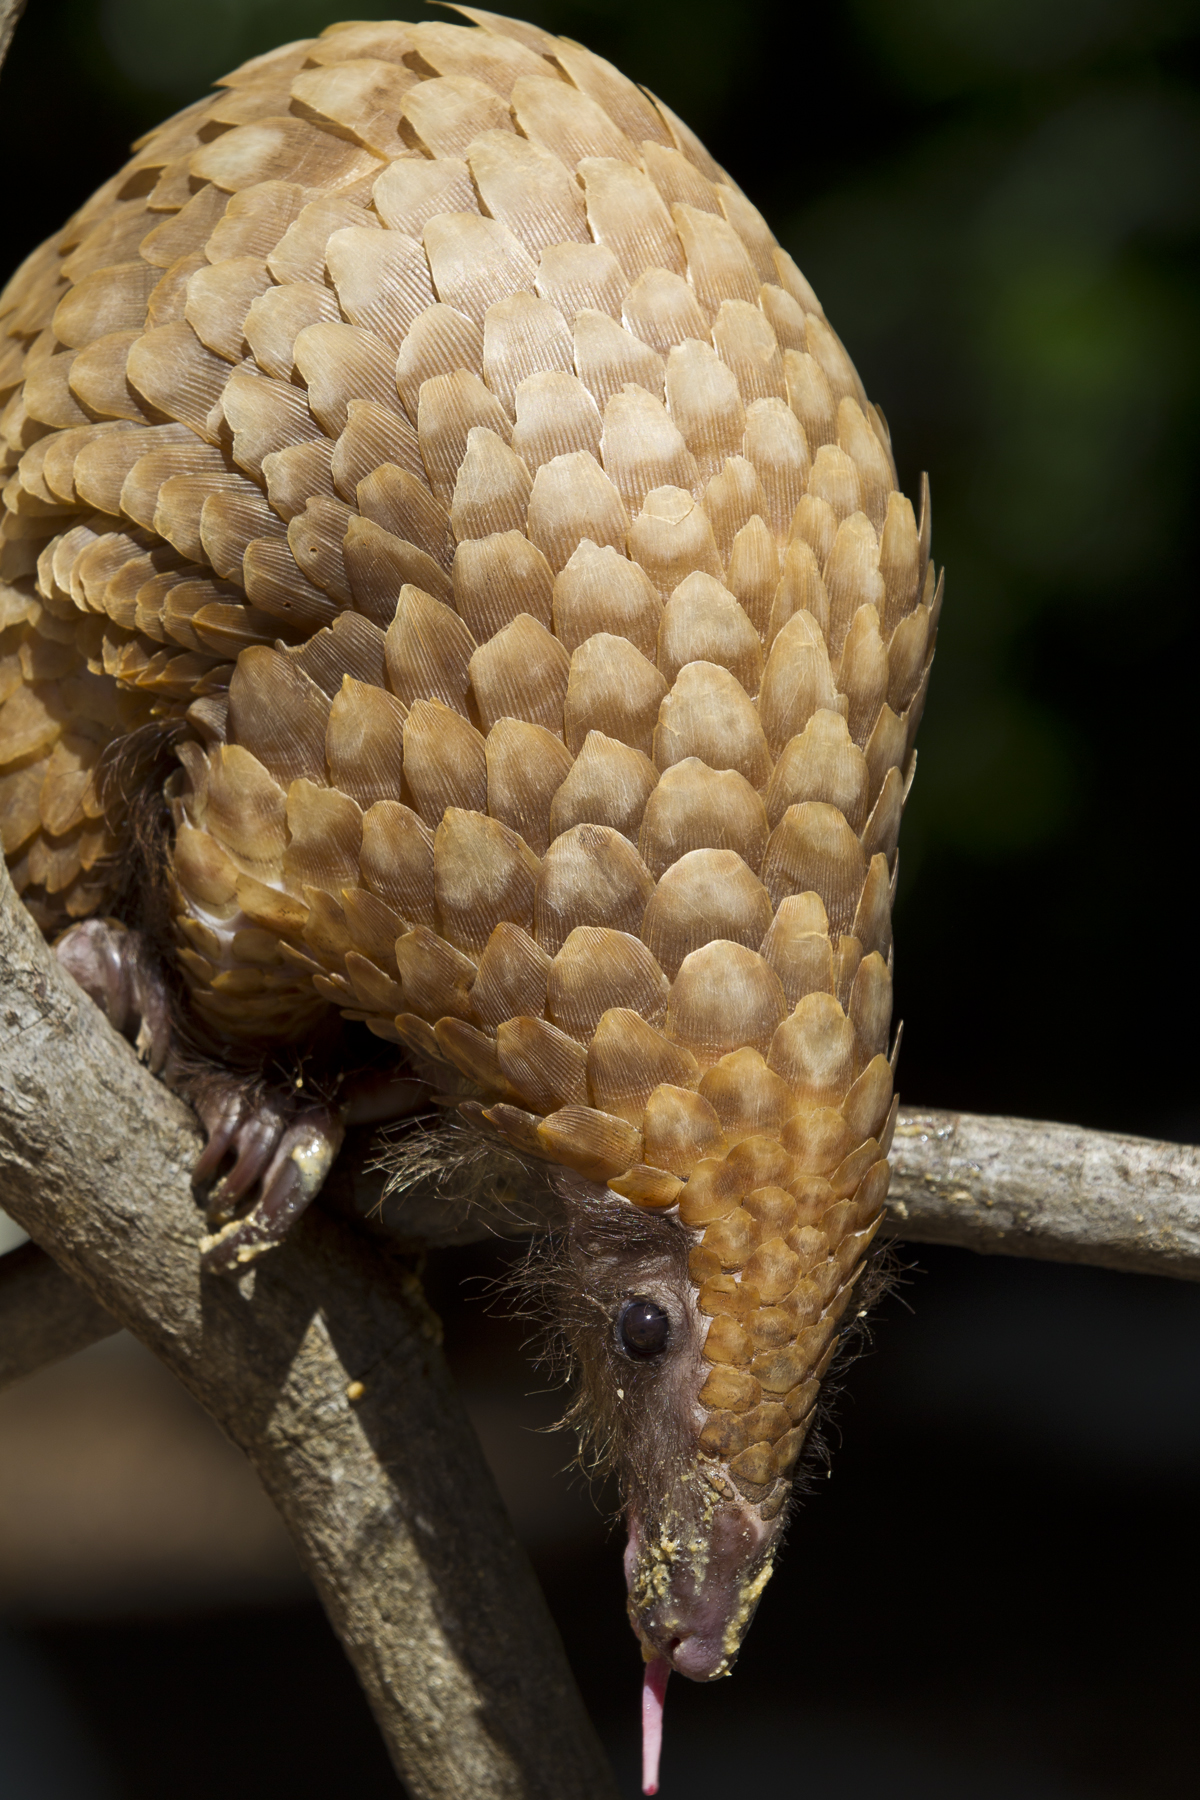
x: 699, y: 1545
x: 704, y: 1450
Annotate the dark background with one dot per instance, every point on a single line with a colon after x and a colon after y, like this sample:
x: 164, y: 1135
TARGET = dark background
x: 995, y: 1595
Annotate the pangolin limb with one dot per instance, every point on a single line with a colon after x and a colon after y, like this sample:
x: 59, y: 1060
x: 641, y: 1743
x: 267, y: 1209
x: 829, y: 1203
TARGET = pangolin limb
x: 432, y: 444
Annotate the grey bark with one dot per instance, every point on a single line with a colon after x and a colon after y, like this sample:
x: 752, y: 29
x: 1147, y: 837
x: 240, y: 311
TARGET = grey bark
x: 387, y: 1495
x: 1061, y: 1193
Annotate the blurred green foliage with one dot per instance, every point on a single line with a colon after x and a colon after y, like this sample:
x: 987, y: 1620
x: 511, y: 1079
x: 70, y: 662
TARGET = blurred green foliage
x: 997, y: 201
x: 1024, y: 271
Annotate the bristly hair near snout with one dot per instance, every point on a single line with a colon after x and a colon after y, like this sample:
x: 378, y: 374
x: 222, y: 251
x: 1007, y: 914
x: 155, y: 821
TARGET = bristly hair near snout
x: 634, y: 1419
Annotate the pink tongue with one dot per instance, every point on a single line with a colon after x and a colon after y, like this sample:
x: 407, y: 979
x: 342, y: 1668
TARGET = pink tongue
x: 654, y: 1689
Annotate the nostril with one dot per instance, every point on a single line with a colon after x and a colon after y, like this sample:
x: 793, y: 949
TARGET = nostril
x: 697, y: 1655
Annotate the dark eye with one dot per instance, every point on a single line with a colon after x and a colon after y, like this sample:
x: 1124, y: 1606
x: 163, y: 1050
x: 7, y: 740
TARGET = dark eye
x: 643, y: 1329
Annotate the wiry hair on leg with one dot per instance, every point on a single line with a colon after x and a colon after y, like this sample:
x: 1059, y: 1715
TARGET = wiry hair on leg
x: 133, y: 774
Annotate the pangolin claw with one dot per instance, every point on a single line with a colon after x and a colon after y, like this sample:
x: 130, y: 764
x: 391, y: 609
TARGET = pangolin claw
x: 290, y: 1166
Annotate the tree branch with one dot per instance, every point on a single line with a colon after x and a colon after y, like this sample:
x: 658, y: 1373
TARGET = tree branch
x: 1005, y: 1187
x: 998, y: 1186
x: 386, y: 1494
x: 1060, y: 1193
x: 388, y: 1497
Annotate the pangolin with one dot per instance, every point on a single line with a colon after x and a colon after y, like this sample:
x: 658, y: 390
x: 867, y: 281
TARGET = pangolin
x: 460, y: 619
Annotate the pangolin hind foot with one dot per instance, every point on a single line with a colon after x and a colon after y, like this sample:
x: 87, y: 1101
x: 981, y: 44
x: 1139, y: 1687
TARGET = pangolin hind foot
x: 114, y: 968
x: 431, y: 434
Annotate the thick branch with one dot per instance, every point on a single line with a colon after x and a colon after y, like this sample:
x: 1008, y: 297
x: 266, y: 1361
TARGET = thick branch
x: 442, y: 1620
x: 387, y: 1495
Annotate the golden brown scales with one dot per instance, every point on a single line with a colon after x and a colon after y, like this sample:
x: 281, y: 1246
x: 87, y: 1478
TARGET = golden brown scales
x: 427, y: 427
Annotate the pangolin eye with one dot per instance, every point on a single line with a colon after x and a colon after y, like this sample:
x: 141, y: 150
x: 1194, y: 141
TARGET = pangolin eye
x: 643, y: 1328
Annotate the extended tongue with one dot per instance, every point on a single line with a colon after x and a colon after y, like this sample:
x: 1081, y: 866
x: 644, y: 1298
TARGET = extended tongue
x: 654, y: 1689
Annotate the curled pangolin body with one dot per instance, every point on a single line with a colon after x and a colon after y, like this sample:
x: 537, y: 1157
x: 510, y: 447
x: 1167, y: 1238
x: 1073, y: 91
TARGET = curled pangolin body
x: 432, y: 429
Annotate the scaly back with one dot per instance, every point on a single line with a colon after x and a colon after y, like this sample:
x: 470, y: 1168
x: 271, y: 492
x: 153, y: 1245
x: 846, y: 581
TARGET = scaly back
x: 428, y: 423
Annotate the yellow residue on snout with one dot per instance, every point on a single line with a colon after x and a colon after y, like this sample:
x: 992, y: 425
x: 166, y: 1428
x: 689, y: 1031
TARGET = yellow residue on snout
x: 749, y: 1595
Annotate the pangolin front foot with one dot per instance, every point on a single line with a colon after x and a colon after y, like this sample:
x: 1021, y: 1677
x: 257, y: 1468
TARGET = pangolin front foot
x: 112, y: 966
x: 286, y: 1156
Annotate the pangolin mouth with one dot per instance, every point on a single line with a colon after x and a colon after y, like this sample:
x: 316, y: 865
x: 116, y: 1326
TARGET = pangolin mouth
x: 692, y: 1595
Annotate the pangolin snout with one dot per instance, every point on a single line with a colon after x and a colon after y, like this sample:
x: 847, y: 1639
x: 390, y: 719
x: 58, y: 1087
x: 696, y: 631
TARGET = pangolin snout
x: 693, y: 1591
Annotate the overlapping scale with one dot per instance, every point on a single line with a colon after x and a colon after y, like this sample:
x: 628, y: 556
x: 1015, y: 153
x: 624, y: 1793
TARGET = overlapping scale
x: 443, y: 441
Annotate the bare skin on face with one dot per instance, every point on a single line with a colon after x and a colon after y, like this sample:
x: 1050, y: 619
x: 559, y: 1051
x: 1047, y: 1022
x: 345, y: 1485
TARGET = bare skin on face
x: 692, y: 1597
x: 700, y: 1550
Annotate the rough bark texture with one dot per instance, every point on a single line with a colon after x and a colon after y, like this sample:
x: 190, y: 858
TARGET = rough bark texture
x: 1020, y: 1187
x: 387, y: 1495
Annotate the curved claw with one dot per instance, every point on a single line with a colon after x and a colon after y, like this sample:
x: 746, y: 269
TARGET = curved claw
x: 286, y: 1155
x: 221, y: 1115
x: 256, y: 1141
x: 293, y: 1179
